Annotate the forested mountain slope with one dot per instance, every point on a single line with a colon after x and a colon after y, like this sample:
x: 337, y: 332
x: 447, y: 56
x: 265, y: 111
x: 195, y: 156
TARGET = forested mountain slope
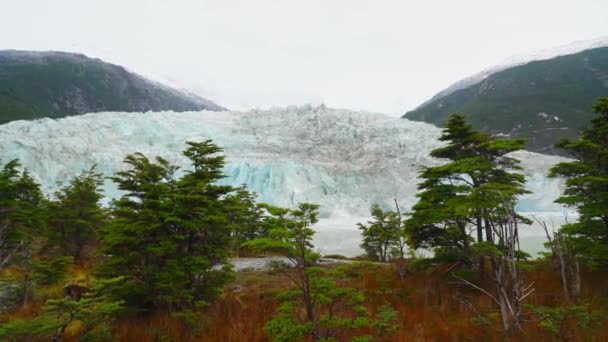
x: 541, y: 100
x: 55, y: 84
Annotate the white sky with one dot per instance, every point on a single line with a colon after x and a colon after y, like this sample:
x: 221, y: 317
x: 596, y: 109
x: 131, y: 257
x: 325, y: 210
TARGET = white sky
x: 386, y: 56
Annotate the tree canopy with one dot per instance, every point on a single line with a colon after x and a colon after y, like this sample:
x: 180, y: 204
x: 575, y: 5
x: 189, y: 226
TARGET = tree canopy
x: 587, y: 187
x: 464, y: 194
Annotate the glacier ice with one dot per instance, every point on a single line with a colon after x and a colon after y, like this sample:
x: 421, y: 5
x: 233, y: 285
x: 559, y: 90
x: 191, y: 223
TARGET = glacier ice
x: 344, y: 160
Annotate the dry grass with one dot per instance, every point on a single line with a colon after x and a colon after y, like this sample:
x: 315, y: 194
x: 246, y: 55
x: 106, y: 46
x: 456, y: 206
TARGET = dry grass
x: 431, y: 308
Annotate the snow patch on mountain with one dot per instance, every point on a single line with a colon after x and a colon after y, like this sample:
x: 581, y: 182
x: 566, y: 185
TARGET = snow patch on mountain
x: 514, y: 61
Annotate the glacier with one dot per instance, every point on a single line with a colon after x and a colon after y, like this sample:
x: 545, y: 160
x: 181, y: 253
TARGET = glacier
x: 344, y: 160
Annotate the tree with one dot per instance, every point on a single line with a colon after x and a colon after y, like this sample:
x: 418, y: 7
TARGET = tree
x: 336, y: 309
x: 511, y: 288
x: 21, y: 211
x: 76, y: 215
x: 22, y: 218
x: 382, y: 235
x: 318, y: 306
x: 169, y: 237
x: 562, y: 250
x: 587, y: 188
x: 293, y: 239
x: 460, y: 196
x: 245, y: 218
x: 95, y: 310
x: 507, y: 273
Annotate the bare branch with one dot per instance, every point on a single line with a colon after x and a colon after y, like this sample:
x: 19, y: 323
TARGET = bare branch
x: 476, y: 287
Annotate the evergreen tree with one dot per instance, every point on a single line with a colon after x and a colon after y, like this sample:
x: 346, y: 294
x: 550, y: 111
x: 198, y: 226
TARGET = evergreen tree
x: 462, y: 195
x: 22, y: 219
x: 21, y: 211
x: 245, y: 218
x: 76, y: 215
x: 587, y: 188
x: 169, y: 237
x: 202, y: 214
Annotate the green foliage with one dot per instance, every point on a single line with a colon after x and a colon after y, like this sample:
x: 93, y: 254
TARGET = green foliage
x: 335, y: 256
x: 21, y: 211
x: 554, y: 319
x: 76, y: 215
x: 386, y: 319
x: 448, y: 254
x: 51, y: 271
x: 289, y: 233
x: 336, y: 310
x: 486, y: 249
x: 318, y: 306
x: 382, y: 235
x: 472, y: 191
x: 169, y: 237
x: 60, y: 84
x: 245, y: 218
x: 94, y: 311
x: 511, y: 101
x: 587, y: 188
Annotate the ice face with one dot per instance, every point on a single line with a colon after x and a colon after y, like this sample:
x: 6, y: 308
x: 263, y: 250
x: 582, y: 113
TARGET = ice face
x: 341, y: 159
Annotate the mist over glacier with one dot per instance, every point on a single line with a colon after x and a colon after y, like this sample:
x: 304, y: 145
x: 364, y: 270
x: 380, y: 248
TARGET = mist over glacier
x: 343, y: 160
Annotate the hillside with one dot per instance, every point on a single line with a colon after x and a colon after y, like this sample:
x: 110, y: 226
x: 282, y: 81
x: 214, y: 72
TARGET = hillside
x: 541, y: 100
x: 56, y: 84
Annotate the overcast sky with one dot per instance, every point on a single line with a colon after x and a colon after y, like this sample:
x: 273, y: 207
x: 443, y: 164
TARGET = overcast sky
x: 386, y: 56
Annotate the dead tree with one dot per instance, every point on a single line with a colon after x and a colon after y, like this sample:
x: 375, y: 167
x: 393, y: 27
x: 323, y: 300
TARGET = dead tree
x: 510, y: 287
x: 565, y: 257
x: 401, y: 243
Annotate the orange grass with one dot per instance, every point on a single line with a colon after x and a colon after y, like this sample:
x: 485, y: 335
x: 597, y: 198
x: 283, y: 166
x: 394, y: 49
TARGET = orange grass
x: 425, y: 300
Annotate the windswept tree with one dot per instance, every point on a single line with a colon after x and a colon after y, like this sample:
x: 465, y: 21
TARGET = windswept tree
x: 76, y: 214
x: 476, y: 191
x: 587, y: 188
x: 169, y: 238
x: 461, y: 196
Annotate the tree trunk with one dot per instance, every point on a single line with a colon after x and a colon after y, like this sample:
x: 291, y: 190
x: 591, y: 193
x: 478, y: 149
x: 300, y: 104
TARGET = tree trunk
x: 401, y: 242
x: 562, y: 268
x: 59, y: 335
x: 26, y: 275
x: 504, y: 315
x: 77, y: 246
x: 479, y: 229
x: 489, y: 235
x: 575, y: 288
x: 310, y: 314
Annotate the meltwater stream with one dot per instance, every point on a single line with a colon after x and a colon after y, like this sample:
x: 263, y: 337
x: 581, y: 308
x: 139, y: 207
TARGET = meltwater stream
x: 343, y: 160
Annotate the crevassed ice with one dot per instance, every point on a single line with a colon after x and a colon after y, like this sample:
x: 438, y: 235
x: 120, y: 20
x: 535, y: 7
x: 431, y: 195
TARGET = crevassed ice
x: 341, y: 159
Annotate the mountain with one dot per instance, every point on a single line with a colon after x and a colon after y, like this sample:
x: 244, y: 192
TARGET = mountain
x: 542, y: 100
x: 344, y: 160
x: 55, y: 84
